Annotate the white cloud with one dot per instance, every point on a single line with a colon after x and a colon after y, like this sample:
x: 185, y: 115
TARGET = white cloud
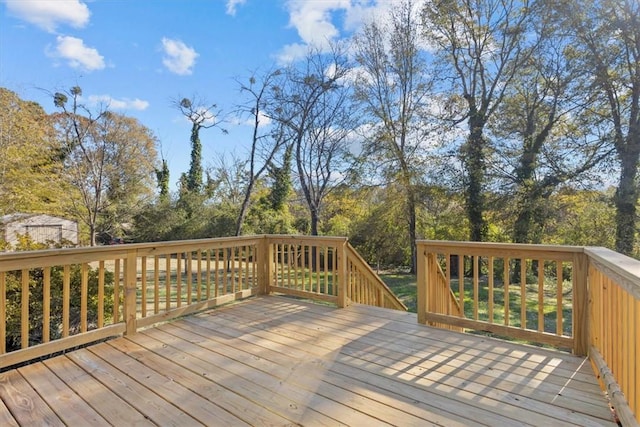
x: 119, y: 104
x: 314, y: 22
x: 232, y: 6
x: 291, y: 53
x: 178, y: 57
x: 49, y: 14
x: 74, y: 51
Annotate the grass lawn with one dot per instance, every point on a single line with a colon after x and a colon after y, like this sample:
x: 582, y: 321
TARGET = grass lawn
x: 404, y: 286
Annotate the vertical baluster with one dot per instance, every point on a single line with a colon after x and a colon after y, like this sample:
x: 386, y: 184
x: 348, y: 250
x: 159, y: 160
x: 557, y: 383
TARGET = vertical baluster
x: 506, y: 280
x: 167, y: 282
x: 84, y: 294
x: 475, y: 260
x: 208, y: 274
x: 46, y: 304
x: 178, y: 280
x: 490, y: 284
x: 143, y: 286
x: 199, y: 275
x: 559, y: 297
x: 156, y: 284
x: 24, y: 312
x: 66, y: 285
x: 523, y: 293
x: 100, y: 294
x: 540, y: 295
x: 189, y: 264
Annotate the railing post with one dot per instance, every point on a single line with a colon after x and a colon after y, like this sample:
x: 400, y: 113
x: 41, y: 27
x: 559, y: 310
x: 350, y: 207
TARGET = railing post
x: 265, y: 266
x: 580, y: 304
x: 421, y: 284
x: 343, y: 274
x: 130, y: 284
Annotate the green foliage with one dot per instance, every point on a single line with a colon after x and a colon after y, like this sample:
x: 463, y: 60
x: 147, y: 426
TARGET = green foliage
x: 582, y: 218
x: 194, y: 177
x: 281, y: 176
x: 30, y: 168
x: 162, y: 176
x: 36, y: 286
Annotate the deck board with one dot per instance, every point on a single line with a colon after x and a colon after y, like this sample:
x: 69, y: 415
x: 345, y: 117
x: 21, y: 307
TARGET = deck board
x: 281, y: 361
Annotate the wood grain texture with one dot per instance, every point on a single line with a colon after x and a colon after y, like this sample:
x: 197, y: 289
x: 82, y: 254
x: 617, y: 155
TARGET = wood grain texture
x: 279, y: 361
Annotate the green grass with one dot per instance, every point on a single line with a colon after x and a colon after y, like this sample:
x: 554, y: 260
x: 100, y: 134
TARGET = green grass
x: 404, y: 286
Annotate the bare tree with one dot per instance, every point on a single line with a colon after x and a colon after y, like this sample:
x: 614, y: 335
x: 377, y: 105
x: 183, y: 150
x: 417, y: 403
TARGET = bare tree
x: 394, y: 86
x: 313, y: 106
x: 264, y: 146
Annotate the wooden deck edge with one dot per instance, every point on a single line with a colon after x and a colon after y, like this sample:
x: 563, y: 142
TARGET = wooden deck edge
x: 623, y: 411
x: 517, y: 333
x: 46, y: 349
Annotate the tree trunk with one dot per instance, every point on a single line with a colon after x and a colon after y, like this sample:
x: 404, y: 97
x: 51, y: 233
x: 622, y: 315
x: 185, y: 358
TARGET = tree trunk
x: 625, y: 200
x: 473, y: 154
x: 314, y: 221
x: 244, y: 208
x: 92, y: 234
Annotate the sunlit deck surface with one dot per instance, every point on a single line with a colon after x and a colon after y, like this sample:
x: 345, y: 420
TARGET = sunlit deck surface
x: 280, y: 361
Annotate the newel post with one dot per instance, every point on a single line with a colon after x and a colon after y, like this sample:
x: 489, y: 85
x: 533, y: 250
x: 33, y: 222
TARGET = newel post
x: 580, y: 304
x: 421, y: 283
x: 265, y: 266
x: 130, y: 284
x: 343, y: 274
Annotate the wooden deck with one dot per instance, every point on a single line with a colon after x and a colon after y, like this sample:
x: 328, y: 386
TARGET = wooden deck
x: 279, y: 361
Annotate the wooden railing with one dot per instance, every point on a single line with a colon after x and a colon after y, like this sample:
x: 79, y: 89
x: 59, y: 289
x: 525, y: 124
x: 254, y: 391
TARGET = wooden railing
x: 583, y: 299
x: 54, y: 300
x: 311, y: 268
x: 614, y: 328
x: 365, y: 286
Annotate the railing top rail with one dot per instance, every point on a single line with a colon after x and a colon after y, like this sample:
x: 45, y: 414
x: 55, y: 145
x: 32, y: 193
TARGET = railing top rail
x: 48, y: 257
x: 456, y: 245
x: 289, y: 238
x: 625, y: 270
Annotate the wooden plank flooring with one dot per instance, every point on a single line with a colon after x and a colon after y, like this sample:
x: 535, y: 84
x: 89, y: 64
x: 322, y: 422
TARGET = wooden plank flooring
x: 281, y: 362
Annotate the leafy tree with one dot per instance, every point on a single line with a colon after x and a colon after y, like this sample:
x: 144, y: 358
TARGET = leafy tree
x: 394, y: 86
x: 162, y: 176
x: 202, y: 116
x: 606, y: 41
x: 109, y: 160
x: 544, y: 132
x: 379, y: 236
x: 30, y: 166
x: 482, y: 44
x: 575, y: 214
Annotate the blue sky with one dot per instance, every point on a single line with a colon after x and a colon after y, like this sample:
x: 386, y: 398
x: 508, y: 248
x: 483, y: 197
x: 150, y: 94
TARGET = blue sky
x: 139, y: 55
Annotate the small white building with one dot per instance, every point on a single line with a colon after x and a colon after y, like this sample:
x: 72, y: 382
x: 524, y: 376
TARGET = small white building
x: 40, y: 228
